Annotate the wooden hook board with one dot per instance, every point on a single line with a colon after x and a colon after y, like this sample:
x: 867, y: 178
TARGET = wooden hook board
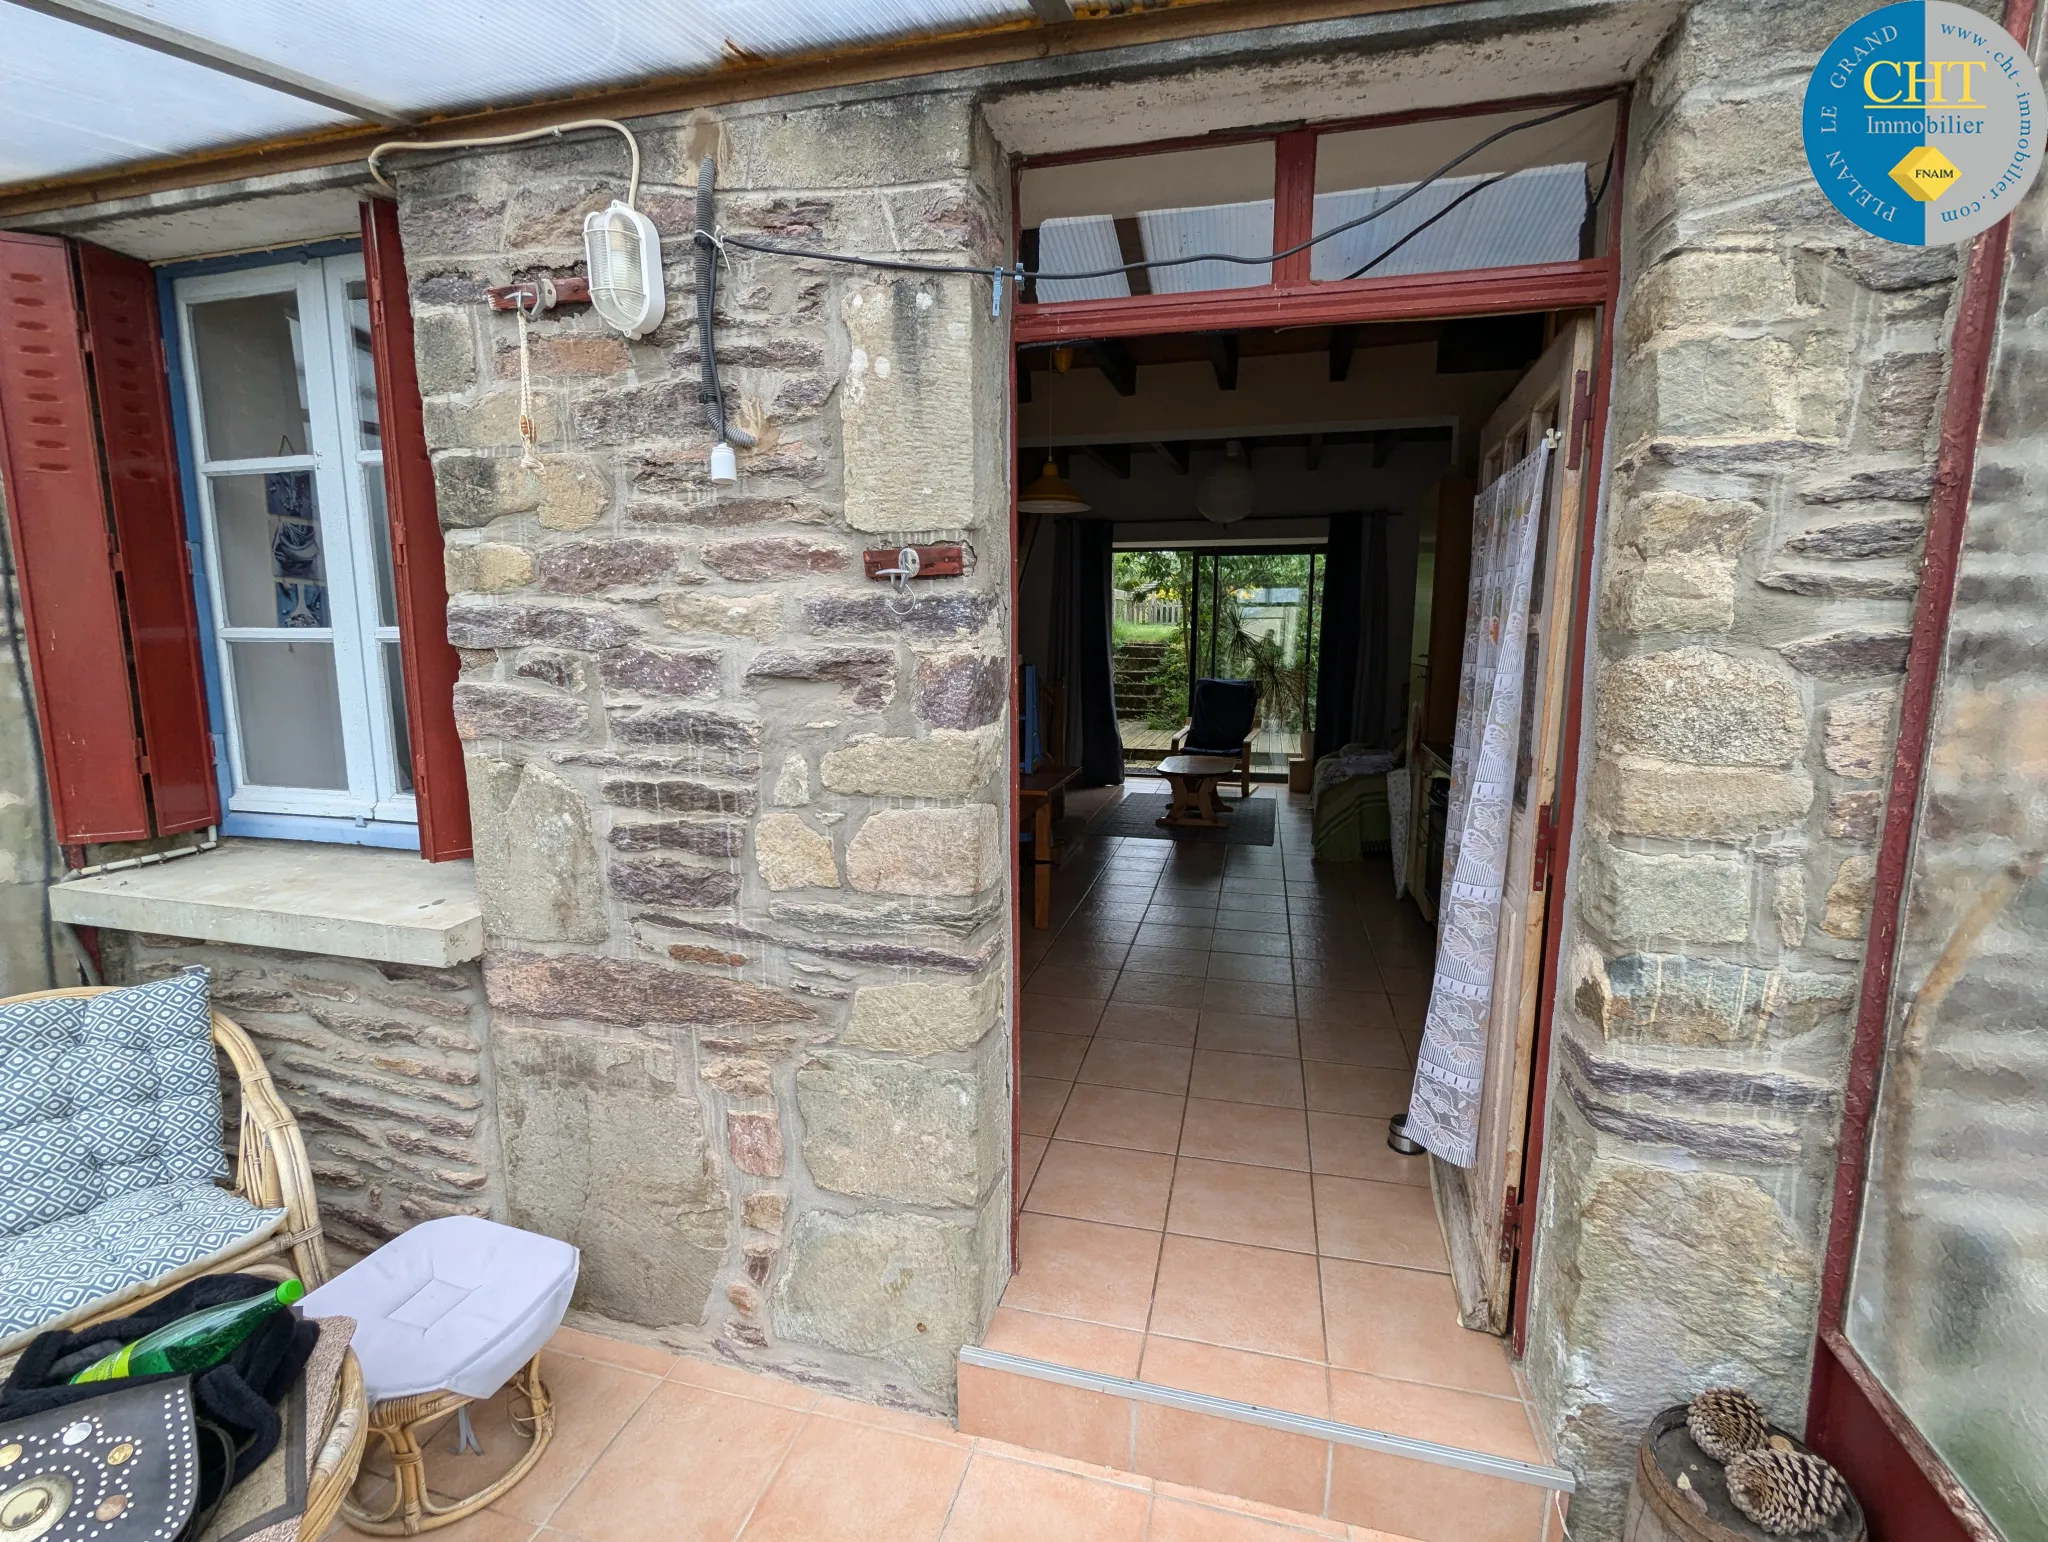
x: 933, y: 561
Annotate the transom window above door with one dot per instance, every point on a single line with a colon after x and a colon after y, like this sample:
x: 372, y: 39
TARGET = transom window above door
x: 287, y: 452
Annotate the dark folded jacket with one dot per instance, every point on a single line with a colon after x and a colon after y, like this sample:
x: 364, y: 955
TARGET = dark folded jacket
x: 240, y: 1395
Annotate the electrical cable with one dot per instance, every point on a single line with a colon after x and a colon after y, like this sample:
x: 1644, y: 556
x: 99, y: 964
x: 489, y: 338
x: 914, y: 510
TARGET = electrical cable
x: 397, y: 146
x: 10, y: 618
x: 1021, y: 273
x: 709, y: 392
x: 1470, y: 192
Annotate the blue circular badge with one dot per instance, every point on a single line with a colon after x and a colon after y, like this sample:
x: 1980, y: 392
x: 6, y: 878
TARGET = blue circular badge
x: 1924, y: 122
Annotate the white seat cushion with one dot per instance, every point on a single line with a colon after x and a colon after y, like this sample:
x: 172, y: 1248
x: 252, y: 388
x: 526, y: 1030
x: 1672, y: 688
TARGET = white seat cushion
x: 453, y: 1305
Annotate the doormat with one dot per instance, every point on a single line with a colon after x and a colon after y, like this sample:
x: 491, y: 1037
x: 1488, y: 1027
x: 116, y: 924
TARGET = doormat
x: 1138, y: 816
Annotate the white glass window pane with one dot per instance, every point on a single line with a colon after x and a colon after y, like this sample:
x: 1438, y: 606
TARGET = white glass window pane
x: 289, y: 713
x: 380, y: 542
x: 394, y: 705
x: 252, y: 376
x: 272, y: 569
x: 1948, y: 1302
x: 362, y: 365
x: 72, y: 99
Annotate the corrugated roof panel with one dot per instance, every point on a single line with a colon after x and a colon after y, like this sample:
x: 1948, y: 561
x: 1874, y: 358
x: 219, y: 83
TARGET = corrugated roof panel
x: 1531, y: 216
x: 72, y: 99
x: 1080, y: 245
x: 450, y: 54
x: 1242, y: 229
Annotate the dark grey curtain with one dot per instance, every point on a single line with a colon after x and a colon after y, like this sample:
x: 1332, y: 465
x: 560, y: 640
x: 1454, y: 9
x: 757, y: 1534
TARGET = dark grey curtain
x: 1355, y: 684
x: 1080, y: 647
x: 1337, y: 608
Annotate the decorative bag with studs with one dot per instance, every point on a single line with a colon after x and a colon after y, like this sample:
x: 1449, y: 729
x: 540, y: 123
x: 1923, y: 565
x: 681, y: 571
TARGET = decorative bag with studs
x: 122, y: 1467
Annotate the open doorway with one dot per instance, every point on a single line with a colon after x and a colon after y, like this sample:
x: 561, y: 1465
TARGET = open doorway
x: 1217, y: 1023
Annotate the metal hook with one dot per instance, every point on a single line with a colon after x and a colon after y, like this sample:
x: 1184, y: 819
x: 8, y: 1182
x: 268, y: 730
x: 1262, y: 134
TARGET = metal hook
x: 907, y: 564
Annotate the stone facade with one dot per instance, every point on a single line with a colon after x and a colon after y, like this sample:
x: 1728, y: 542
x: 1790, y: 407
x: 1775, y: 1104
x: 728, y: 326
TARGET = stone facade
x: 1778, y: 383
x: 739, y: 823
x: 385, y: 1066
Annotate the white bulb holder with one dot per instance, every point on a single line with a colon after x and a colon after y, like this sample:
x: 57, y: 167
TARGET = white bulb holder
x: 724, y: 464
x: 622, y: 249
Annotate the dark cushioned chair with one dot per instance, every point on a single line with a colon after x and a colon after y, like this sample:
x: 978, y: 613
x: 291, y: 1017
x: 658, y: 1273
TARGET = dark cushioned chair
x: 1223, y: 720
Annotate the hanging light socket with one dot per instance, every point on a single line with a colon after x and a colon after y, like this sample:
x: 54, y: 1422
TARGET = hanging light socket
x: 724, y: 464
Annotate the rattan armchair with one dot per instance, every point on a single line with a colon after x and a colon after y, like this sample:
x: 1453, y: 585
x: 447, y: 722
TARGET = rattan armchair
x: 270, y: 1171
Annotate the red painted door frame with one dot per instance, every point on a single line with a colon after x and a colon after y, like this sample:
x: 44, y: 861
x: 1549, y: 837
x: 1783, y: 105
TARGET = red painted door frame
x: 1295, y: 301
x: 1907, y: 1491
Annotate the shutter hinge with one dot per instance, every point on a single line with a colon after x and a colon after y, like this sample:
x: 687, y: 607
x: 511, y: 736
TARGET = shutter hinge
x: 142, y: 762
x: 1510, y: 1224
x: 1546, y: 847
x: 1582, y: 418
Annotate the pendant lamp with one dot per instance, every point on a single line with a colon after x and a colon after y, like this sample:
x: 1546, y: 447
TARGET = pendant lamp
x: 1229, y: 492
x: 1053, y: 493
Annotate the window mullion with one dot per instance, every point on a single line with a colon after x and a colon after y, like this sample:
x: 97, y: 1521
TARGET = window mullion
x: 333, y: 464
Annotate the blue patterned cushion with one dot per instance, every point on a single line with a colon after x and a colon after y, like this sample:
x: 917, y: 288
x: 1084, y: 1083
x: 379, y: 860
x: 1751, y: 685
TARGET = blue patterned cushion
x: 105, y: 1095
x: 128, y: 1240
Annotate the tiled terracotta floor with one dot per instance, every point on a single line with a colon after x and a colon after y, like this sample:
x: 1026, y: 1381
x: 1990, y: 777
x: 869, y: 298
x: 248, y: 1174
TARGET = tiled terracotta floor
x: 1213, y: 1038
x: 652, y: 1448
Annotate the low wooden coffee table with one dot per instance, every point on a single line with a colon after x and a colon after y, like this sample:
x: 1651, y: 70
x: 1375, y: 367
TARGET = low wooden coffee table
x: 1191, y: 800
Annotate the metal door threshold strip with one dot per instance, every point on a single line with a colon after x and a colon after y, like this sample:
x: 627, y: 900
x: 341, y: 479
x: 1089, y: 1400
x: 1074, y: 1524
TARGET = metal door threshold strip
x: 1484, y: 1463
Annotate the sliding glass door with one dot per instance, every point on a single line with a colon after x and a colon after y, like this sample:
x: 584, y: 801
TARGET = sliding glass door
x: 1183, y: 615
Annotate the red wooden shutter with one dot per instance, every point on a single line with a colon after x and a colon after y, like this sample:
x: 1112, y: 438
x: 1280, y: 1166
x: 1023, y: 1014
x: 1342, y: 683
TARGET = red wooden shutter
x: 439, y: 781
x: 63, y: 550
x: 151, y: 559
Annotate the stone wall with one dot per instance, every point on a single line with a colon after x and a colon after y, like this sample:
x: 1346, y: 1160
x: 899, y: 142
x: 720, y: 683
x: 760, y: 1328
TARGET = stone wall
x: 1778, y: 384
x: 29, y: 954
x: 385, y: 1066
x: 740, y: 825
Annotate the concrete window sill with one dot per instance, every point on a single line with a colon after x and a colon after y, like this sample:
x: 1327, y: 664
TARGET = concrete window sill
x: 295, y: 896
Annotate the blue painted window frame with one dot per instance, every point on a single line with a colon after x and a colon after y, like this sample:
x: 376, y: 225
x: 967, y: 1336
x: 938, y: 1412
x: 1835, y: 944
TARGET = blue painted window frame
x: 285, y: 827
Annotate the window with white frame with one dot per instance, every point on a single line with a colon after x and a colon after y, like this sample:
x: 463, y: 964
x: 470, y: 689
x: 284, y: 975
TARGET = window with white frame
x: 289, y: 460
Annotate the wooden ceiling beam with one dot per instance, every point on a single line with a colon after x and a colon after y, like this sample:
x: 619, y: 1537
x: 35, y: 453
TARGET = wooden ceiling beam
x: 1223, y: 359
x: 1119, y: 367
x: 1113, y: 458
x: 1343, y: 342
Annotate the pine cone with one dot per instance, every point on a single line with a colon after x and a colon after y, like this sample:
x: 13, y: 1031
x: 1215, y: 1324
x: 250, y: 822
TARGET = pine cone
x: 1786, y: 1492
x: 1725, y: 1422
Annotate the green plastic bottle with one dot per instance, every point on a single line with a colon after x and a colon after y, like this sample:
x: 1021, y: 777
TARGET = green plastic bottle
x: 197, y: 1342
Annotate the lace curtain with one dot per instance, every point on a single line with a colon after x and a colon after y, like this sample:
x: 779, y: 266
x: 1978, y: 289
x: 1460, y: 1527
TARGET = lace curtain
x: 1443, y: 1109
